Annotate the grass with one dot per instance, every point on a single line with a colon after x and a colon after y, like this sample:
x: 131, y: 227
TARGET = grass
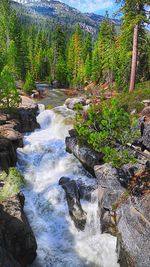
x: 131, y: 101
x: 13, y: 183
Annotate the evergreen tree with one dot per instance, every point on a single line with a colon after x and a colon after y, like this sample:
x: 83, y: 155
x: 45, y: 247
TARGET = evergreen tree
x: 103, y: 58
x: 133, y: 25
x: 75, y: 59
x: 9, y: 97
x: 10, y: 38
x: 29, y: 84
x: 88, y: 68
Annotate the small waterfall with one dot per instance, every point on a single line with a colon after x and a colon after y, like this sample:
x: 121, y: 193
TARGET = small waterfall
x: 43, y: 161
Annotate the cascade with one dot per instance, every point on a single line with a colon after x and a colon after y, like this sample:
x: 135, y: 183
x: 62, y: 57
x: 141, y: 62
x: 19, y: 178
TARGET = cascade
x: 43, y: 160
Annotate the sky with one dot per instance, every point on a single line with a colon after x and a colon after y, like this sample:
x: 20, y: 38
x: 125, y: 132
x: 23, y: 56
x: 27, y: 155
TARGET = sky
x: 96, y: 6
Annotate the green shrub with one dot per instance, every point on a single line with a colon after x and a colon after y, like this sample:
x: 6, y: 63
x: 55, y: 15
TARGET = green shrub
x: 105, y: 128
x: 134, y: 101
x: 13, y: 183
x: 29, y: 84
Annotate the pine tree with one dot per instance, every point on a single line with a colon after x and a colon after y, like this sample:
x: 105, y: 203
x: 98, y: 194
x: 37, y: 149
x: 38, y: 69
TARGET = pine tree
x: 103, y: 59
x: 29, y: 83
x: 75, y: 59
x: 96, y: 64
x: 10, y: 34
x: 9, y: 97
x: 88, y: 68
x: 134, y: 18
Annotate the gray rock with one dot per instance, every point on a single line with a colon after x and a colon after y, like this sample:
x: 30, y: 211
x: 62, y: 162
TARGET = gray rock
x: 133, y: 223
x: 8, y: 156
x: 17, y: 242
x: 73, y: 200
x: 72, y: 102
x: 12, y: 125
x: 88, y: 157
x: 146, y: 137
x: 109, y: 191
x: 85, y: 190
x: 127, y: 217
x: 7, y: 131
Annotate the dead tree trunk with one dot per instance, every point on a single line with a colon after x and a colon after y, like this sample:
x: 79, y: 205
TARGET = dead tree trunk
x: 134, y: 58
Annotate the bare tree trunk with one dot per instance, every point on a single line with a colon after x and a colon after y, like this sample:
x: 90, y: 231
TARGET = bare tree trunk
x: 134, y: 58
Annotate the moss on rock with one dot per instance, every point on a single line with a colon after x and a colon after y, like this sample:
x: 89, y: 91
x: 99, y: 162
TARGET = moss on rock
x: 13, y: 183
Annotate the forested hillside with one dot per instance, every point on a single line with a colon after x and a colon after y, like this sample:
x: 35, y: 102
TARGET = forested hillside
x: 74, y: 116
x: 73, y: 59
x: 49, y: 13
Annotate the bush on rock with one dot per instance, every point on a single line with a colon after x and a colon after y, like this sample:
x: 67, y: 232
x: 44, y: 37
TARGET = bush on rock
x: 106, y: 128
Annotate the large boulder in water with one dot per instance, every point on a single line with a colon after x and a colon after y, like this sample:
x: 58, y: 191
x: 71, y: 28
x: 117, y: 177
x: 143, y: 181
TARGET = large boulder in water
x: 86, y: 191
x: 88, y: 157
x: 73, y: 200
x: 17, y: 242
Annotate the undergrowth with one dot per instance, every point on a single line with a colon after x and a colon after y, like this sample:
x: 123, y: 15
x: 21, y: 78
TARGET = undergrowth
x: 12, y: 183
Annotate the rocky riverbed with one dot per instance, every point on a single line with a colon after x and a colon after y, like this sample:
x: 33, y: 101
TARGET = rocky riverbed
x: 17, y: 242
x: 123, y: 196
x: 70, y: 235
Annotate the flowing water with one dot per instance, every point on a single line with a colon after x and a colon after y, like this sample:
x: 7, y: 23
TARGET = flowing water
x: 43, y: 161
x: 55, y: 97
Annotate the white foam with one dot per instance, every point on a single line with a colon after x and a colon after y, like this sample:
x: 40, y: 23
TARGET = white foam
x: 43, y: 161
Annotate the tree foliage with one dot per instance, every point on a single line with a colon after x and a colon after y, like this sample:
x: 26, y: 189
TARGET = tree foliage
x: 9, y: 96
x: 75, y: 58
x: 29, y: 84
x: 105, y: 129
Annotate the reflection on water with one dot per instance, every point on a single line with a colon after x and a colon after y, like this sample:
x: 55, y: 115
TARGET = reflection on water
x: 55, y: 97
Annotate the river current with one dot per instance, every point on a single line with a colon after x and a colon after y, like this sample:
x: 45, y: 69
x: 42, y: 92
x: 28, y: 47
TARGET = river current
x: 43, y: 161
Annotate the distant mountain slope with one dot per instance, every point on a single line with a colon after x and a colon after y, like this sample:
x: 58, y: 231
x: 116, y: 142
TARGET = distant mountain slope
x: 53, y: 12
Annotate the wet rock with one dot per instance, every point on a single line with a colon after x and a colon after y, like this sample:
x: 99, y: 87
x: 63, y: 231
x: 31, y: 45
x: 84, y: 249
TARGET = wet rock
x: 17, y: 242
x: 109, y: 191
x: 27, y: 117
x: 12, y: 125
x: 133, y: 223
x: 72, y: 102
x: 88, y: 157
x: 73, y: 200
x: 72, y: 133
x: 56, y: 84
x: 8, y: 157
x: 85, y: 190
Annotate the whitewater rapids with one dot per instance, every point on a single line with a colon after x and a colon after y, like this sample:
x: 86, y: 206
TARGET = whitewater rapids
x: 43, y: 161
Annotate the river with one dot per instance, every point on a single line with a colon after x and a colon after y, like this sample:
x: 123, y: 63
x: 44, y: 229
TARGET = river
x: 43, y: 161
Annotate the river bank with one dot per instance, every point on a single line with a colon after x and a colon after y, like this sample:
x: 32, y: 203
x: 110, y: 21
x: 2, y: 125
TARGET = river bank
x: 17, y: 241
x: 48, y: 169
